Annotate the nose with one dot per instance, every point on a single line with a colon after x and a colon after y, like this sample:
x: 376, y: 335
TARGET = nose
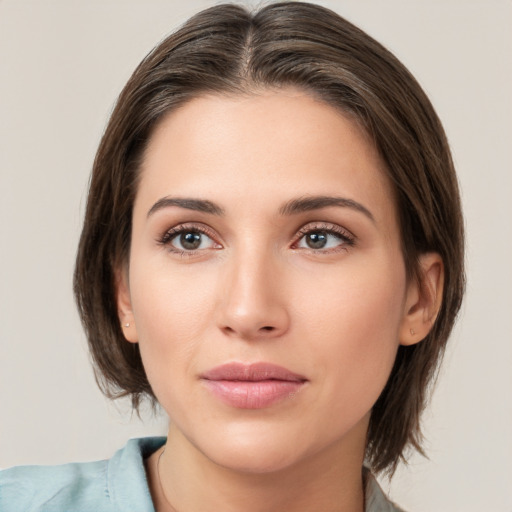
x: 252, y: 302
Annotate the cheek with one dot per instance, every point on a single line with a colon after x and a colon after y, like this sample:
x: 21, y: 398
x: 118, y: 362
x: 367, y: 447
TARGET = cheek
x: 365, y: 296
x: 355, y: 330
x: 166, y: 301
x: 172, y: 310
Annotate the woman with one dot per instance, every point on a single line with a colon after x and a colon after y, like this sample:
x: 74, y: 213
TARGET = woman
x: 273, y: 251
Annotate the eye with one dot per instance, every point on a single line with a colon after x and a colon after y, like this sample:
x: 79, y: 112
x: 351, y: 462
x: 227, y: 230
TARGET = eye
x: 319, y: 240
x: 183, y: 239
x: 326, y: 237
x: 191, y: 241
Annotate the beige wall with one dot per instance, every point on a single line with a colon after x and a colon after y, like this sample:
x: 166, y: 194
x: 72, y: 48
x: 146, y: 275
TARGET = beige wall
x: 62, y: 62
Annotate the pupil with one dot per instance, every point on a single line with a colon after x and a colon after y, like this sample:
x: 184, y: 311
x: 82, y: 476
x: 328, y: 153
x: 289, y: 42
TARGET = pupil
x: 316, y: 240
x: 190, y: 240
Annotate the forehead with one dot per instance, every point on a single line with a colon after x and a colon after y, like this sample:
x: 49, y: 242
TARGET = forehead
x: 271, y: 145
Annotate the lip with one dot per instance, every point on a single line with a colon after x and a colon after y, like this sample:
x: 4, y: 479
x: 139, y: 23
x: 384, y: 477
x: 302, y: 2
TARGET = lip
x: 252, y: 386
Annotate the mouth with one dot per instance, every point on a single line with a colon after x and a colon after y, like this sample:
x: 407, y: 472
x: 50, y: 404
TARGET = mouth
x: 252, y: 386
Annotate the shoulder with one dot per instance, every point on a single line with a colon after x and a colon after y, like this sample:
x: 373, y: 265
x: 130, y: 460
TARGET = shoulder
x: 375, y: 498
x: 102, y: 486
x: 54, y: 487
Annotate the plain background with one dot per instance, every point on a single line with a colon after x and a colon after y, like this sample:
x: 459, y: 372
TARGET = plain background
x: 62, y: 64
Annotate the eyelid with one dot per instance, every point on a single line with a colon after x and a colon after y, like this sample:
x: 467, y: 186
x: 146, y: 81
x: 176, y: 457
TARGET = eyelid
x: 170, y: 234
x: 348, y: 238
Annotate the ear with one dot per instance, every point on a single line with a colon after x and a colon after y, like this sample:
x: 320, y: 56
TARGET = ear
x: 423, y: 301
x: 124, y: 306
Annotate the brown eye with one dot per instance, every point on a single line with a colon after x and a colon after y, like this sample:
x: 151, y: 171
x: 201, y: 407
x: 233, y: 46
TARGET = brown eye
x: 191, y: 241
x: 316, y: 240
x: 322, y: 239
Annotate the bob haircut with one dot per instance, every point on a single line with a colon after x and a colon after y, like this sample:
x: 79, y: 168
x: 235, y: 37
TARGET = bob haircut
x: 228, y: 50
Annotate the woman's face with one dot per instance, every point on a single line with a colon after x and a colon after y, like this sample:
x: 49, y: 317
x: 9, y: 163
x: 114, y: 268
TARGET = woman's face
x: 266, y: 285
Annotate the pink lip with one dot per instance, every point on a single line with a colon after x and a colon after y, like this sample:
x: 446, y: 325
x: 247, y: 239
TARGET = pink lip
x: 252, y: 386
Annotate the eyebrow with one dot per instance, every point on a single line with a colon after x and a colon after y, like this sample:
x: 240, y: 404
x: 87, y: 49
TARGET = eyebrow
x: 199, y: 205
x: 309, y: 203
x: 292, y: 207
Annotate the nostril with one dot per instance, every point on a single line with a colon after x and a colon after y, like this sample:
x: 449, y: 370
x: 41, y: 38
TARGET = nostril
x: 267, y: 328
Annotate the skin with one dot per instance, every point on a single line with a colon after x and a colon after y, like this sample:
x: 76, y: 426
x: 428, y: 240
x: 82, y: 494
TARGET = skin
x: 255, y: 290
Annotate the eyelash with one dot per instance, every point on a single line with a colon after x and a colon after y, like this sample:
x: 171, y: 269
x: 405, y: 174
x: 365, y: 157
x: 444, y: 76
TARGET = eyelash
x: 346, y: 238
x: 166, y: 239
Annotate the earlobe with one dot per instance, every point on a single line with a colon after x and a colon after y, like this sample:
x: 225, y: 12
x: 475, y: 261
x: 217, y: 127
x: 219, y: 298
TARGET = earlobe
x: 424, y: 298
x: 124, y: 307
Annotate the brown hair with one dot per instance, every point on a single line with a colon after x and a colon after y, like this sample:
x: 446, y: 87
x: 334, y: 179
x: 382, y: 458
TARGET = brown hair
x: 228, y: 49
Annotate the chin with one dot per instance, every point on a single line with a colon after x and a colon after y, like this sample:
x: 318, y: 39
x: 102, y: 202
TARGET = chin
x: 251, y: 450
x: 257, y: 460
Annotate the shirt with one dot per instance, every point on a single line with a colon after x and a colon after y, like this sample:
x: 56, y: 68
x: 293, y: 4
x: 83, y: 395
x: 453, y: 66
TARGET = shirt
x: 115, y: 485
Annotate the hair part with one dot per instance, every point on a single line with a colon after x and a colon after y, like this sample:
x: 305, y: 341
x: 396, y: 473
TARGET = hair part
x: 229, y: 50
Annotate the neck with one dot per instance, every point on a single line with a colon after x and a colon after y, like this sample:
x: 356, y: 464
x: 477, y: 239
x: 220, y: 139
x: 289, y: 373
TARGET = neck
x: 182, y: 479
